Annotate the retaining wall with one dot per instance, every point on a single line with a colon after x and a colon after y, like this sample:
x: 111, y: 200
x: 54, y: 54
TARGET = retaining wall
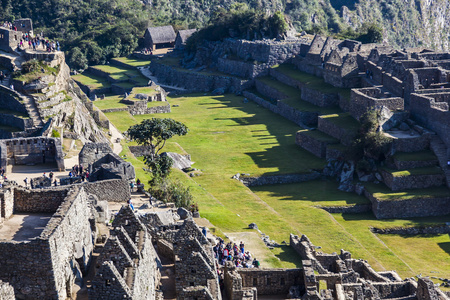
x: 412, y: 181
x: 278, y: 179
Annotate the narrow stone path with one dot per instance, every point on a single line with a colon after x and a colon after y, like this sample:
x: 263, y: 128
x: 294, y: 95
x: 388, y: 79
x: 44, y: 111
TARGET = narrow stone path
x: 440, y: 150
x: 115, y: 134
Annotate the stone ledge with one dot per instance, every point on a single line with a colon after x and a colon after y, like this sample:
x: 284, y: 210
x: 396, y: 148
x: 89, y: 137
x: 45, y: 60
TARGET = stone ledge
x: 278, y: 179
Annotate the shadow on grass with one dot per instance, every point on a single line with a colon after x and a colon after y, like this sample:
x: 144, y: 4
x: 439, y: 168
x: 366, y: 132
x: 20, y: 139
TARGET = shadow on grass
x: 445, y: 246
x: 412, y: 222
x: 288, y: 254
x: 322, y: 191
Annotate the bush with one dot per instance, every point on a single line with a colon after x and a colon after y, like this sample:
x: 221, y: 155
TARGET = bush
x: 172, y: 191
x: 55, y: 133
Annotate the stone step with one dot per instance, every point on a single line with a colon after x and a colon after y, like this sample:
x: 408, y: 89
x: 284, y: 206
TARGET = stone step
x: 315, y: 141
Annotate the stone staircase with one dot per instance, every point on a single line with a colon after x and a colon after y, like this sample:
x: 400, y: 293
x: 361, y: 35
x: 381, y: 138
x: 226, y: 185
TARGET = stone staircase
x: 33, y: 112
x: 440, y: 150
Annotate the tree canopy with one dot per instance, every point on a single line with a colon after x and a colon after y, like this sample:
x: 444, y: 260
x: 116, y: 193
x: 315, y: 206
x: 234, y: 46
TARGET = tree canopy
x: 155, y: 132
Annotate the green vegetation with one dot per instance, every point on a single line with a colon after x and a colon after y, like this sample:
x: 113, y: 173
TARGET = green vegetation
x: 34, y: 69
x: 383, y: 193
x: 110, y: 102
x: 416, y: 171
x: 55, y: 133
x: 228, y: 136
x: 239, y: 21
x: 91, y: 81
x: 132, y: 62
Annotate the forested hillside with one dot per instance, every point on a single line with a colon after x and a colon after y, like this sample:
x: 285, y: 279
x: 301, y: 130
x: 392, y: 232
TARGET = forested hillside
x: 92, y: 31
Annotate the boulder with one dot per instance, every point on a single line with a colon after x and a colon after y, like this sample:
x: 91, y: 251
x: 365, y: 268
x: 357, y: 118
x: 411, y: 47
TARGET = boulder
x: 179, y: 161
x: 219, y: 91
x: 141, y: 96
x: 183, y: 213
x: 253, y: 226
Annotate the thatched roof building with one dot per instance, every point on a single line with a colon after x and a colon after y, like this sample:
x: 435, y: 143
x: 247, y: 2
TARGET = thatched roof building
x: 182, y: 37
x: 159, y: 37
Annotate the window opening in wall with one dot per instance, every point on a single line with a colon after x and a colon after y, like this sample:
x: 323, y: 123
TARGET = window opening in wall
x: 282, y: 281
x: 108, y: 282
x: 28, y: 141
x: 191, y: 284
x: 193, y: 271
x: 255, y: 281
x: 268, y: 281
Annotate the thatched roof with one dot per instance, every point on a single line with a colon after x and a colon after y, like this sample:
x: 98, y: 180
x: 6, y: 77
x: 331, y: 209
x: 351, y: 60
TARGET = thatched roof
x: 185, y: 34
x: 162, y: 34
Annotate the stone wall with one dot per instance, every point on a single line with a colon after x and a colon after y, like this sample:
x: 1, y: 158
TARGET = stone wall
x: 6, y: 291
x: 351, y: 209
x: 32, y: 150
x: 412, y: 144
x: 243, y: 69
x: 38, y: 201
x: 311, y: 144
x: 268, y: 91
x: 366, y: 98
x: 411, y: 164
x: 398, y: 183
x: 435, y: 229
x: 271, y: 281
x: 18, y: 122
x: 278, y: 179
x: 344, y: 136
x: 427, y: 114
x: 114, y: 190
x: 195, y: 81
x: 10, y: 99
x: 417, y: 207
x: 9, y: 39
x: 6, y: 204
x: 393, y: 84
x: 46, y: 267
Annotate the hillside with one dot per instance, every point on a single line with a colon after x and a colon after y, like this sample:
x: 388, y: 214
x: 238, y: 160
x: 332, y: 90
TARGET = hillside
x: 91, y: 32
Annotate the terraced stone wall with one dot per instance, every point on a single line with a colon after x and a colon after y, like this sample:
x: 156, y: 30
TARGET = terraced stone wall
x: 412, y: 182
x: 271, y: 281
x: 416, y: 207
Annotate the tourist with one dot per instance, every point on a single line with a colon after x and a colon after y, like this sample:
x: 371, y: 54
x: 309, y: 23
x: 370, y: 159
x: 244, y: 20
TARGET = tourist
x: 131, y: 186
x: 11, y: 86
x: 50, y: 175
x: 130, y: 204
x: 204, y: 231
x: 241, y: 246
x: 26, y: 181
x: 45, y: 175
x: 2, y: 76
x: 55, y: 183
x: 70, y: 174
x: 138, y: 182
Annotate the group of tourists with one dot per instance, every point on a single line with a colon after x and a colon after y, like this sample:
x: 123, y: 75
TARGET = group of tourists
x: 8, y: 25
x: 147, y: 51
x: 35, y: 42
x: 78, y: 171
x: 231, y: 252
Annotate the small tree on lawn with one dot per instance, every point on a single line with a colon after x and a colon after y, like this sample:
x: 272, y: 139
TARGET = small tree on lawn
x: 154, y: 133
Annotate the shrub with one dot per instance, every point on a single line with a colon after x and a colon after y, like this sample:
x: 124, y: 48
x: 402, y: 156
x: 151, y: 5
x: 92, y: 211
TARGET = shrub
x: 55, y: 133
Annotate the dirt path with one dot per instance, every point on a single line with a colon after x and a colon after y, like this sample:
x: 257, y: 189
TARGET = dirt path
x: 115, y: 134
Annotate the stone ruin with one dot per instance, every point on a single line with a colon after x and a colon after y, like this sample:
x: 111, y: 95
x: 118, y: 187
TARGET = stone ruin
x: 26, y: 151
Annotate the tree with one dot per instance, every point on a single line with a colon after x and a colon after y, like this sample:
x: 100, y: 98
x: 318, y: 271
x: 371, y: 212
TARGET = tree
x: 154, y: 133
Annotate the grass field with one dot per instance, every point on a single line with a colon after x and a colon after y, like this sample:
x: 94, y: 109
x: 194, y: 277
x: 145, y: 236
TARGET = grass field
x: 343, y: 120
x: 227, y: 136
x: 383, y: 193
x: 132, y: 62
x: 110, y: 101
x: 92, y: 81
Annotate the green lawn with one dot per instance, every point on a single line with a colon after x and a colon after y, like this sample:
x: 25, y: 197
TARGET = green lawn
x: 112, y: 101
x: 132, y: 62
x: 110, y: 69
x: 92, y: 81
x: 415, y: 171
x: 383, y: 193
x: 156, y: 103
x: 227, y: 136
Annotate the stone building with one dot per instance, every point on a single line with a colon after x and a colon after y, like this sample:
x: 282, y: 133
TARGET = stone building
x: 127, y: 267
x: 159, y: 37
x: 182, y: 36
x: 45, y: 263
x: 38, y: 150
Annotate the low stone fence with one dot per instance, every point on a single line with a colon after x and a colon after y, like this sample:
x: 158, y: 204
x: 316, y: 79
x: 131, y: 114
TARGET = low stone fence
x: 351, y: 209
x: 278, y: 179
x: 302, y: 118
x: 417, y: 207
x: 318, y: 98
x: 269, y: 91
x: 412, y: 181
x: 435, y: 229
x: 271, y: 281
